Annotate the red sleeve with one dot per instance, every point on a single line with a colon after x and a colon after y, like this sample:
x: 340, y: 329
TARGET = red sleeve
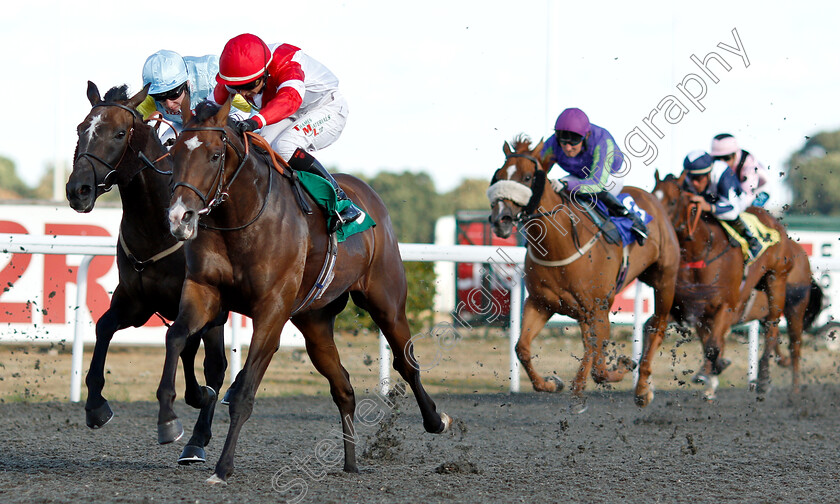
x: 220, y: 94
x: 285, y: 87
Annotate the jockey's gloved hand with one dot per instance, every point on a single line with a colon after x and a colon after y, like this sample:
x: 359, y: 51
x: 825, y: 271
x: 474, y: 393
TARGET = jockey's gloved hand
x: 246, y: 125
x: 558, y: 184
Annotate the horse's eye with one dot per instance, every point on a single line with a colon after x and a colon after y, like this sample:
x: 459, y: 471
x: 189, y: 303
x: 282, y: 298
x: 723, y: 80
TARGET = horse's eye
x: 527, y: 178
x: 120, y: 135
x: 215, y: 156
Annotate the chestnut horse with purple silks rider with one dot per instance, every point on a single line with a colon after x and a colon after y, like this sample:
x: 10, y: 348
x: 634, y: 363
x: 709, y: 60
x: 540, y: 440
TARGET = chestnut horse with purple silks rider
x: 570, y: 269
x: 117, y: 148
x: 252, y: 249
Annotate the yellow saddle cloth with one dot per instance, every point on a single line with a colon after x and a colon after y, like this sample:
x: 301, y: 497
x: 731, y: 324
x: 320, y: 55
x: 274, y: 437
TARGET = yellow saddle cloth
x: 766, y: 235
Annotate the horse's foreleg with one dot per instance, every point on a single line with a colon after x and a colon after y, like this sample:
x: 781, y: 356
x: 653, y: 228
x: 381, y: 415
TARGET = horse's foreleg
x: 97, y: 410
x: 320, y: 346
x: 600, y: 336
x: 795, y: 329
x: 533, y: 320
x: 264, y: 343
x: 198, y: 305
x: 215, y: 364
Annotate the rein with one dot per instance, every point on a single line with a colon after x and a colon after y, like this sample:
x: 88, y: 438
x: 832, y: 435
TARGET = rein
x: 692, y: 222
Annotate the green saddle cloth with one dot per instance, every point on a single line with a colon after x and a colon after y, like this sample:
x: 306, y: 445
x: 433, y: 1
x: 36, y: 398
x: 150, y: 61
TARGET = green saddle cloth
x: 324, y: 194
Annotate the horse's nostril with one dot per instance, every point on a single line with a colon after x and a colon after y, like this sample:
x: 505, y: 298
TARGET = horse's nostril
x: 188, y: 216
x: 85, y: 190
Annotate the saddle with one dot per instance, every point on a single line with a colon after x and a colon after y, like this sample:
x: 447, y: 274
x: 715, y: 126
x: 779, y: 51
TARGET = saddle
x: 767, y: 236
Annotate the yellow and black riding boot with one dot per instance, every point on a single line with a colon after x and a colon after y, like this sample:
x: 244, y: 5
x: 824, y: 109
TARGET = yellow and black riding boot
x: 303, y: 161
x: 615, y: 208
x: 741, y: 227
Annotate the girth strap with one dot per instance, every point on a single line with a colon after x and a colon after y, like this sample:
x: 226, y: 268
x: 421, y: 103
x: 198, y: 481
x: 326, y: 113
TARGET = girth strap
x: 325, y: 277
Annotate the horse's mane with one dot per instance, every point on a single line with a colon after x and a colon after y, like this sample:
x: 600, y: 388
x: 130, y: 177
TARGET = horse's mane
x: 205, y: 110
x: 117, y: 93
x: 521, y: 140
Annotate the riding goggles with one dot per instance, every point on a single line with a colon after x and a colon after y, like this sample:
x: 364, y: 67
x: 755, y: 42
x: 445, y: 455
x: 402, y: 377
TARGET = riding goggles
x: 172, y: 94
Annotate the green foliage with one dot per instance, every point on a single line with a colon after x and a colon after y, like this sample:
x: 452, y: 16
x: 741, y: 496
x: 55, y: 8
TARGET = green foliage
x: 412, y: 202
x: 813, y: 175
x: 9, y: 180
x: 471, y: 194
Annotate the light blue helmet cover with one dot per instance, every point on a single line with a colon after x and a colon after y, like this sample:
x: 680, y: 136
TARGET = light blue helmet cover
x: 165, y: 70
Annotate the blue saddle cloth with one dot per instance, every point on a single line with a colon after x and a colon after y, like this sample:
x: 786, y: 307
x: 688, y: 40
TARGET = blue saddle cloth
x: 623, y: 224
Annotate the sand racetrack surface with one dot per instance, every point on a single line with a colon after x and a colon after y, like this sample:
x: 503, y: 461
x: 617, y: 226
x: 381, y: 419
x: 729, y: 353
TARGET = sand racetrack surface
x: 525, y: 447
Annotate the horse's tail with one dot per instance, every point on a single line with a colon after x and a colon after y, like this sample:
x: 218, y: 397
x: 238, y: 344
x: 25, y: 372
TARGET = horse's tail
x: 815, y: 305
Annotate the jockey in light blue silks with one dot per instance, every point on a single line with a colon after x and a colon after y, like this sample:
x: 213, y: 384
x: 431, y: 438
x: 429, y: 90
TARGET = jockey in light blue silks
x: 172, y: 77
x: 591, y: 157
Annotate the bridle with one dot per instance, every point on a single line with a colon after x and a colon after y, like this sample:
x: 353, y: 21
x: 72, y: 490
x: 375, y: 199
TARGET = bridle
x: 221, y: 193
x: 110, y: 178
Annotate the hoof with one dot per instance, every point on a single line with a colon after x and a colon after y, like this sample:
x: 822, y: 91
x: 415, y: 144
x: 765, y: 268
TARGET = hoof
x: 627, y: 363
x: 558, y: 383
x: 577, y: 405
x: 191, y: 455
x: 98, y: 417
x: 643, y: 400
x: 170, y: 431
x: 215, y: 480
x: 228, y: 396
x: 710, y: 393
x: 446, y: 420
x: 700, y: 378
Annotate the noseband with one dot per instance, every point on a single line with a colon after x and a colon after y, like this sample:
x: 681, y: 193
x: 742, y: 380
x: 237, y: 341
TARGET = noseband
x: 536, y: 189
x: 107, y: 183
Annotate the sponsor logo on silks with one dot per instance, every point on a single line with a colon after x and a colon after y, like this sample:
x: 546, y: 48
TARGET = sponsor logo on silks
x: 631, y: 205
x: 309, y: 128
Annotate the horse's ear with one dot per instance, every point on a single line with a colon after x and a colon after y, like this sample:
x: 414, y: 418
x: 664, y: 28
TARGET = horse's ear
x: 93, y: 94
x: 506, y: 149
x: 141, y: 95
x: 681, y: 179
x: 222, y: 115
x: 186, y: 109
x: 656, y: 175
x: 537, y: 153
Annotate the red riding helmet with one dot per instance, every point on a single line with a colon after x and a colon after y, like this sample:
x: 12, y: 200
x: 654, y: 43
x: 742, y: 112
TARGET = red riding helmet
x: 245, y: 58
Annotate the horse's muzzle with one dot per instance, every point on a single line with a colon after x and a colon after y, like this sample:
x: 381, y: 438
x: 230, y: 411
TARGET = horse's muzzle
x: 183, y: 222
x: 80, y: 195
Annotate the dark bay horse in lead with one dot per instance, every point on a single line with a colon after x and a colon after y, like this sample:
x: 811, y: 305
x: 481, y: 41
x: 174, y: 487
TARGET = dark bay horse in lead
x: 117, y: 148
x: 252, y: 249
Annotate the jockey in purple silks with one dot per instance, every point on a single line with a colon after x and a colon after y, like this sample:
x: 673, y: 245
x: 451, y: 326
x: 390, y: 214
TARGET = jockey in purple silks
x: 592, y: 158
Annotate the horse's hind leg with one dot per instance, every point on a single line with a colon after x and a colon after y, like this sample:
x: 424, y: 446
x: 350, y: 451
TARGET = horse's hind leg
x: 775, y: 289
x: 795, y: 318
x: 215, y: 365
x: 533, y: 320
x: 387, y: 310
x: 654, y: 333
x: 318, y: 330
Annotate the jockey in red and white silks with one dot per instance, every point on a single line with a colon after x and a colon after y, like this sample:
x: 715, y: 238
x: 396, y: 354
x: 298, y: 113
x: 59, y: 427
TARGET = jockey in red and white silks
x: 299, y: 103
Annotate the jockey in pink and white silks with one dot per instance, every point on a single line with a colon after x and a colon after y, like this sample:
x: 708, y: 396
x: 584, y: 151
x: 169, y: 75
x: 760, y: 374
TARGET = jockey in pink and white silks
x: 592, y: 158
x: 751, y: 173
x: 300, y: 109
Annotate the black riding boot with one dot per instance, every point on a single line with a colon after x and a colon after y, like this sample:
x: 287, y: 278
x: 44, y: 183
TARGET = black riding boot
x: 614, y: 207
x: 303, y: 161
x: 754, y: 245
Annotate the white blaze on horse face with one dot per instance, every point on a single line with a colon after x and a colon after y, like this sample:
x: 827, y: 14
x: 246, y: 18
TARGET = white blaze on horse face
x: 501, y: 205
x: 510, y: 171
x: 193, y: 143
x: 659, y: 194
x: 94, y: 123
